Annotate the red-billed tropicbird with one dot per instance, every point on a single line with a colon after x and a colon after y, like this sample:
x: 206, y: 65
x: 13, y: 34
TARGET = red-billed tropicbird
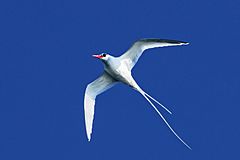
x: 118, y: 69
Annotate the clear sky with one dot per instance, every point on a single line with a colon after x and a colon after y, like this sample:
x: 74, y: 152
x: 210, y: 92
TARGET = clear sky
x: 46, y: 63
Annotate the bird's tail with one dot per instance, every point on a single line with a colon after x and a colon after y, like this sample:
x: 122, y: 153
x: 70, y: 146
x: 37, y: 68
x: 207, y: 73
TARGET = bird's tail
x: 147, y: 96
x: 158, y: 103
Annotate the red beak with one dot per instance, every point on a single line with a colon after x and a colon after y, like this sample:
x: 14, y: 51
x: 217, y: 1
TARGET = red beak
x: 98, y: 56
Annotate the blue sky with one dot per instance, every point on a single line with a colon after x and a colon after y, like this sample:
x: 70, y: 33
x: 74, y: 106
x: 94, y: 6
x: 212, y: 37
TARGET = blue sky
x: 46, y: 63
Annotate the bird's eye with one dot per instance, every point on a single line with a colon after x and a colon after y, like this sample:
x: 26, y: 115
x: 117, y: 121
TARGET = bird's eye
x: 104, y: 55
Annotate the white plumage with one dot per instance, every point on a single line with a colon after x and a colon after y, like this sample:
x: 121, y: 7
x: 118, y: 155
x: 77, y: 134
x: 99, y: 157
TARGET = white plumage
x: 118, y: 69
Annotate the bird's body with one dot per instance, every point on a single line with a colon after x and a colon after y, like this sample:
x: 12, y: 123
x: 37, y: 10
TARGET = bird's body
x: 118, y: 69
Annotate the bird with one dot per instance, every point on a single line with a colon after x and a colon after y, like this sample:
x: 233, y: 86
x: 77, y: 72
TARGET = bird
x: 118, y: 69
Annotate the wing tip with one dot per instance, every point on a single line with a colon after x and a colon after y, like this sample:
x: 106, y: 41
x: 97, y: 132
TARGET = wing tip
x: 178, y: 42
x: 164, y: 40
x: 184, y: 43
x: 89, y: 137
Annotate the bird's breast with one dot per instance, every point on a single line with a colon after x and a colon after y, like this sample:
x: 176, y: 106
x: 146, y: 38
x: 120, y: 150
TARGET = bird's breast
x: 121, y: 73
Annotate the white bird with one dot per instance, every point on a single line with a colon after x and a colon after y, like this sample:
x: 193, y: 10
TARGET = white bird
x: 118, y: 69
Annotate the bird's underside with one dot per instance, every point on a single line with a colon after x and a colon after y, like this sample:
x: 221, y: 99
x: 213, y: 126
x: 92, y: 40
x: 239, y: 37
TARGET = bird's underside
x: 118, y: 69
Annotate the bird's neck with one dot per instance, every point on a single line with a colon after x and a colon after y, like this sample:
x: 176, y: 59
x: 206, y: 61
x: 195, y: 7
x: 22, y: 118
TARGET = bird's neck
x: 112, y: 63
x: 109, y: 61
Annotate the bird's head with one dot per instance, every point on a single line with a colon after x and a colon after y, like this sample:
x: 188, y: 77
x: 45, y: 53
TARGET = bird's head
x: 102, y: 56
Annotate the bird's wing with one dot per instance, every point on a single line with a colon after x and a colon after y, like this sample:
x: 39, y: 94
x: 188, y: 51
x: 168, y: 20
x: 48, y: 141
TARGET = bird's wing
x: 132, y: 55
x: 93, y: 89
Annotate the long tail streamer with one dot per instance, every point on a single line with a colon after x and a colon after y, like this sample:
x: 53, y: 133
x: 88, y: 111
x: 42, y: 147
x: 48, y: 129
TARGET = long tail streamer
x: 158, y: 103
x: 159, y: 113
